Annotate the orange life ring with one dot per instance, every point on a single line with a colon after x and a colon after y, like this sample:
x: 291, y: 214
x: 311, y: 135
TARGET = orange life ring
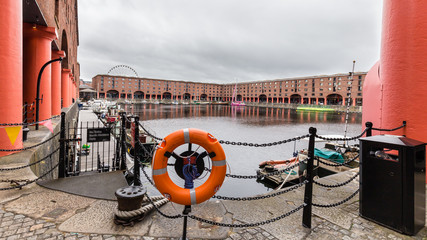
x: 161, y: 177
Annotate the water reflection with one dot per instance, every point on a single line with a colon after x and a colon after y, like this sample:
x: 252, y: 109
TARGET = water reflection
x: 245, y: 124
x: 248, y: 115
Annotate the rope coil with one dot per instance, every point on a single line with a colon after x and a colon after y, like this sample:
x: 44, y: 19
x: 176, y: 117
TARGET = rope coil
x: 144, y: 209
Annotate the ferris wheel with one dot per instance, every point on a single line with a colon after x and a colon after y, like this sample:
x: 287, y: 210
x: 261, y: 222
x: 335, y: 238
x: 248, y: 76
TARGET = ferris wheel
x: 122, y: 70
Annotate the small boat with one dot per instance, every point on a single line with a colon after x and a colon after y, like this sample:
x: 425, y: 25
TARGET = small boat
x: 238, y: 103
x: 315, y: 109
x: 219, y: 103
x: 332, y: 153
x: 280, y: 179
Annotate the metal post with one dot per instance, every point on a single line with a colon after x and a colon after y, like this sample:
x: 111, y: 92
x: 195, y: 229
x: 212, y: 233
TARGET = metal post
x: 61, y: 166
x: 308, y: 194
x: 369, y: 126
x: 117, y: 155
x: 187, y: 210
x: 123, y: 141
x: 136, y: 163
x: 38, y: 89
x: 25, y: 128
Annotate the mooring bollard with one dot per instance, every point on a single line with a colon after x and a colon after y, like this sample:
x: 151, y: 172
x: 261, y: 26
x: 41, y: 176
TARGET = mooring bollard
x: 130, y: 198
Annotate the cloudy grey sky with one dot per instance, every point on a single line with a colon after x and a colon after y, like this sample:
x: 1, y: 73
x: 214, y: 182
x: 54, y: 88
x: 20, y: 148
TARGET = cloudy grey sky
x: 224, y: 40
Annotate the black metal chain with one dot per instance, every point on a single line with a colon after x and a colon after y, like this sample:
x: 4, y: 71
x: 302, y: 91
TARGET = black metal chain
x: 338, y: 203
x: 149, y: 134
x: 246, y: 225
x: 262, y: 175
x: 146, y: 175
x: 162, y: 213
x: 29, y: 165
x: 390, y: 130
x: 263, y: 144
x: 26, y: 148
x: 343, y: 139
x: 29, y: 124
x: 262, y: 196
x: 338, y: 164
x: 339, y: 184
x: 28, y: 182
x: 127, y: 119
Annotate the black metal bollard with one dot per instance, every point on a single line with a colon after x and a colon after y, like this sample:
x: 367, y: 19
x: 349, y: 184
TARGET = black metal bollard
x: 136, y: 163
x: 61, y: 166
x: 25, y: 128
x: 123, y: 141
x: 369, y: 126
x: 116, y: 163
x: 130, y: 198
x: 308, y: 194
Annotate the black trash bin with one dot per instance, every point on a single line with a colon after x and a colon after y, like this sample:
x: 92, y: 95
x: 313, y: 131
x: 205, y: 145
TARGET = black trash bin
x: 392, y: 182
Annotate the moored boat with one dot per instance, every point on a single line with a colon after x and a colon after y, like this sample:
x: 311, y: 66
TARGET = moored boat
x: 331, y: 159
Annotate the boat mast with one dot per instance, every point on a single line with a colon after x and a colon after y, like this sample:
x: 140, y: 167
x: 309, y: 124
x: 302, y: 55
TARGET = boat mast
x: 349, y: 101
x: 234, y: 93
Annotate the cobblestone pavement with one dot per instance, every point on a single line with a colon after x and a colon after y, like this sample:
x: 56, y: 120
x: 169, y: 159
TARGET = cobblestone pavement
x: 16, y: 226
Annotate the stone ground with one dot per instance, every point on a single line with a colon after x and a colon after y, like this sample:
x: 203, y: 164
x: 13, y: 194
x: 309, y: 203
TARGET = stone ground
x: 38, y: 213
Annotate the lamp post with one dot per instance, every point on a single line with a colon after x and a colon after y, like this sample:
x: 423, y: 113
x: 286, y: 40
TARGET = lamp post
x: 38, y: 88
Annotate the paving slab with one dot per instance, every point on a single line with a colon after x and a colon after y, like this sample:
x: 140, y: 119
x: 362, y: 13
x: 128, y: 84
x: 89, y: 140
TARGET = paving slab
x: 98, y: 185
x: 211, y: 210
x: 260, y: 210
x: 49, y: 205
x: 98, y: 219
x: 324, y: 196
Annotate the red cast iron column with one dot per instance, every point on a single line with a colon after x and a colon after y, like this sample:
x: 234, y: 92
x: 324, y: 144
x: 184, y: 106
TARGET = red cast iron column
x: 10, y: 71
x: 37, y: 51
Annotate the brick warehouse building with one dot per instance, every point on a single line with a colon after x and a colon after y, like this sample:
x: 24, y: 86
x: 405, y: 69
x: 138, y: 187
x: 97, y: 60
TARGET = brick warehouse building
x: 319, y: 90
x: 34, y: 32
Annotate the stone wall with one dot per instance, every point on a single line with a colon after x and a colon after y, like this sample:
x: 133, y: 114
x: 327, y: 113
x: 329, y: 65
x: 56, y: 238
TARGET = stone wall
x: 43, y: 134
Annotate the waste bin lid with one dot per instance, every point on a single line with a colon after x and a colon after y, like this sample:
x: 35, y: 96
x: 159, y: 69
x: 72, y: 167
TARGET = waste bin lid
x: 394, y: 139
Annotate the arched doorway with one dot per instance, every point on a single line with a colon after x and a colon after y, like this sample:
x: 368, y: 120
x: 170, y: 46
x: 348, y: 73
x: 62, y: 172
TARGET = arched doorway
x: 334, y: 99
x: 239, y: 97
x: 64, y: 47
x: 262, y: 98
x: 167, y: 95
x: 296, y: 98
x: 138, y: 95
x: 203, y: 97
x: 112, y: 94
x: 187, y: 96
